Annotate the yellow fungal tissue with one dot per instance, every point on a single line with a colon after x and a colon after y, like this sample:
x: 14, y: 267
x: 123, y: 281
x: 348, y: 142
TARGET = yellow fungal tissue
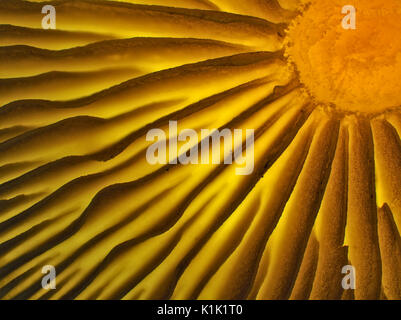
x: 354, y: 70
x: 200, y: 149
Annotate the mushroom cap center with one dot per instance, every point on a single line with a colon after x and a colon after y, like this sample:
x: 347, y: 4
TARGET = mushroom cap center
x: 357, y: 70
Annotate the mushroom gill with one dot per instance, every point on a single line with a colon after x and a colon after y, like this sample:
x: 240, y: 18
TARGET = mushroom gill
x: 76, y: 190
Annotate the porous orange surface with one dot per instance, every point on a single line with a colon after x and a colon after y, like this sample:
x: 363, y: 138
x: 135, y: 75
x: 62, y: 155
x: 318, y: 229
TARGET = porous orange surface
x: 353, y: 69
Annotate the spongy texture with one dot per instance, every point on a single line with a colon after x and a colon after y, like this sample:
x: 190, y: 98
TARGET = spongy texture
x: 354, y: 69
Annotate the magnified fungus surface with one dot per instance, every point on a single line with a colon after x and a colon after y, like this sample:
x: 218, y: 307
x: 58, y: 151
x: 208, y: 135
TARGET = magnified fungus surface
x: 78, y: 192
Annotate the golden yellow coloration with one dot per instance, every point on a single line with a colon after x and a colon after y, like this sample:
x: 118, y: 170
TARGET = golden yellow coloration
x: 77, y: 192
x: 355, y: 70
